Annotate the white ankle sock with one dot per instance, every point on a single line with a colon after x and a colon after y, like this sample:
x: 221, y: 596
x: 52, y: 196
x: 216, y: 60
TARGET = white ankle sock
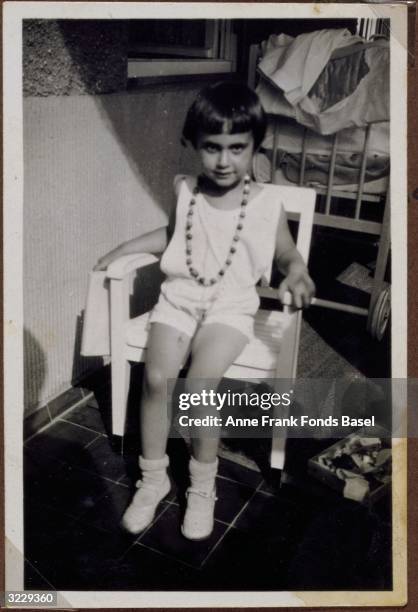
x: 202, y: 475
x: 153, y: 470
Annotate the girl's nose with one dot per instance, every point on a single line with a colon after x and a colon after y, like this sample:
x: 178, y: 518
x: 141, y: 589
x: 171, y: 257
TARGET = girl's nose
x: 223, y: 159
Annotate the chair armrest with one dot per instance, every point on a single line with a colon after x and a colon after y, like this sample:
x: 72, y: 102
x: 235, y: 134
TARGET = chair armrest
x: 270, y: 293
x: 129, y: 263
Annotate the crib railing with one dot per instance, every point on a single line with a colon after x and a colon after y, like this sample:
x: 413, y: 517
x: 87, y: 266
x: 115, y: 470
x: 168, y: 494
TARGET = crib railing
x: 326, y: 218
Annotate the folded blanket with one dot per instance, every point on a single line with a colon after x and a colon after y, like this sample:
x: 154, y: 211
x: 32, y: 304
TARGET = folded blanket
x: 338, y: 80
x: 301, y: 78
x: 294, y: 65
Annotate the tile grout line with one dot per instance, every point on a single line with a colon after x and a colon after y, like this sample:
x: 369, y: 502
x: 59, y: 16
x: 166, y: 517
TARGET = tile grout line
x: 66, y: 465
x: 168, y: 556
x: 173, y: 503
x: 40, y: 574
x: 236, y: 481
x: 231, y: 525
x: 215, y: 546
x: 91, y: 441
x: 61, y: 420
x: 155, y: 519
x: 143, y: 532
x: 267, y: 493
x: 106, y: 478
x: 80, y: 402
x: 90, y: 472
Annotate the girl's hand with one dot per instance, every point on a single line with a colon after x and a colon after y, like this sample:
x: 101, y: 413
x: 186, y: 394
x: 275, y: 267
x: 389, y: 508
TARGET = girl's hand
x: 106, y: 260
x: 300, y: 285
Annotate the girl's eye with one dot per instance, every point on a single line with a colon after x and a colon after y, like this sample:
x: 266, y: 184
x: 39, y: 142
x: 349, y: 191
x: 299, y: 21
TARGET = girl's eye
x: 237, y: 149
x: 210, y: 148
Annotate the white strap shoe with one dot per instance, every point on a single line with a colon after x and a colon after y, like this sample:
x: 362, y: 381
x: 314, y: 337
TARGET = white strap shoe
x: 198, y: 519
x: 141, y: 511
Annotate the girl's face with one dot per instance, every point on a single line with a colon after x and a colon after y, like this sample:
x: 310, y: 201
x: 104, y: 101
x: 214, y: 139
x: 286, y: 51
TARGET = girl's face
x: 225, y: 158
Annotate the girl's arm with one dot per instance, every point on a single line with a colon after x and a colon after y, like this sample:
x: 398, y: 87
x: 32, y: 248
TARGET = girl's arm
x: 154, y: 242
x: 291, y: 264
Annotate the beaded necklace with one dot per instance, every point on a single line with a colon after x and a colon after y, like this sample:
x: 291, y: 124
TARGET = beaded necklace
x: 233, y: 248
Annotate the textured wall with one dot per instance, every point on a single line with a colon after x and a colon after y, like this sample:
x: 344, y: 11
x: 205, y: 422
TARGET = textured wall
x: 73, y: 57
x: 98, y: 170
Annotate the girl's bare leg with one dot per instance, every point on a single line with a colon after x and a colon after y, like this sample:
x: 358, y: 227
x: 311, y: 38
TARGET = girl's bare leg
x: 214, y: 349
x: 166, y: 352
x: 167, y: 348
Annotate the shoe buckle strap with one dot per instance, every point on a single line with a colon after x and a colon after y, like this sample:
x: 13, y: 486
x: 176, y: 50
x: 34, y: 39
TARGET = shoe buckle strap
x: 201, y: 493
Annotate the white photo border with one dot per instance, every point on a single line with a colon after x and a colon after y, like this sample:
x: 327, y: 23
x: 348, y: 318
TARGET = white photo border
x: 13, y: 14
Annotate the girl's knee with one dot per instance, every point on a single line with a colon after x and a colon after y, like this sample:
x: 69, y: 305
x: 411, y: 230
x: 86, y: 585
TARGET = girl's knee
x: 155, y: 380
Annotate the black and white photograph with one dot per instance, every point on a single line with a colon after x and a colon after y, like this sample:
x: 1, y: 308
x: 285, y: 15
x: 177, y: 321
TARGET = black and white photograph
x: 205, y: 304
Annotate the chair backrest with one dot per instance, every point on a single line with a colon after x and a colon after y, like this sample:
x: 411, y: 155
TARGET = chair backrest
x: 299, y: 203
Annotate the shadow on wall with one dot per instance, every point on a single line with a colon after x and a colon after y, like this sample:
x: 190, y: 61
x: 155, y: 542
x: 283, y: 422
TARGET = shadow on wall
x: 123, y: 150
x: 147, y: 123
x: 34, y: 371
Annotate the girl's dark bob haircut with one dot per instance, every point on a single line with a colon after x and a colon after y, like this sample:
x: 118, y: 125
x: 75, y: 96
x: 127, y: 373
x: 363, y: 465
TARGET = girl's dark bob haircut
x: 225, y: 107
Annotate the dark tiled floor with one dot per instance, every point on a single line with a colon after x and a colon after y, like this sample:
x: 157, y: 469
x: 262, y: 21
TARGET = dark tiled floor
x: 77, y: 486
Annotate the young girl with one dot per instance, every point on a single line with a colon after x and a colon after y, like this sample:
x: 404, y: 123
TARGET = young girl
x: 225, y: 233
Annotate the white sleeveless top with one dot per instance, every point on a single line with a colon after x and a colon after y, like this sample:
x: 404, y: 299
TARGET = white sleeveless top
x: 213, y: 230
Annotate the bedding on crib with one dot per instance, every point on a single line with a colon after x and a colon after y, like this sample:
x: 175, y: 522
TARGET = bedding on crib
x: 319, y: 84
x: 348, y: 160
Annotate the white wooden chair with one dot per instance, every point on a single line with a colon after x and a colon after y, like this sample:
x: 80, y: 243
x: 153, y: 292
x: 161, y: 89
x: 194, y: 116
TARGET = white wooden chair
x: 272, y: 354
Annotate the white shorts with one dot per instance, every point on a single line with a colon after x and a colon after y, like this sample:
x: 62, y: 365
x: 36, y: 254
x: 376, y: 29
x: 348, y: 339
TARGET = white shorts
x: 186, y: 306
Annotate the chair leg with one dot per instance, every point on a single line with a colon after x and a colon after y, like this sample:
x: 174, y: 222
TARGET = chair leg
x: 278, y: 447
x: 121, y: 371
x: 286, y: 372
